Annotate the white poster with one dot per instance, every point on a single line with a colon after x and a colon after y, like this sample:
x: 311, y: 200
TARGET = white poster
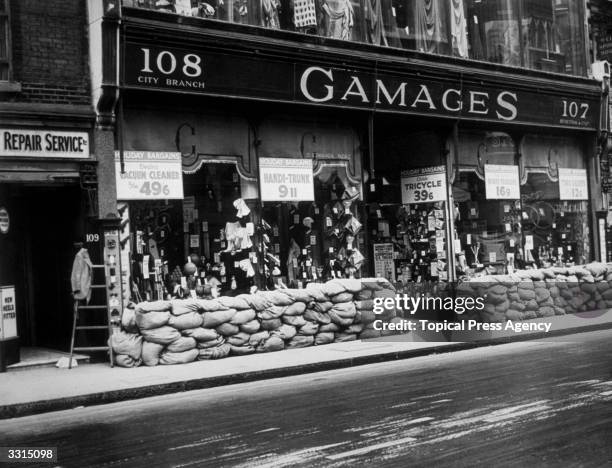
x: 573, y: 184
x: 8, y: 311
x: 284, y: 179
x: 149, y: 175
x: 43, y: 144
x: 384, y: 266
x: 424, y: 185
x: 502, y: 182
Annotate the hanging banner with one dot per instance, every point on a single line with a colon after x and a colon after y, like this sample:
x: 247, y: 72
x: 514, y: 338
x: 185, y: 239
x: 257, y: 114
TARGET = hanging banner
x: 8, y: 313
x: 284, y: 179
x: 502, y: 182
x: 149, y: 175
x: 384, y: 266
x: 424, y: 185
x: 573, y: 184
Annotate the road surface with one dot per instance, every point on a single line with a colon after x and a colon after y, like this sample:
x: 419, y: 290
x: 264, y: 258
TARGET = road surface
x: 522, y: 404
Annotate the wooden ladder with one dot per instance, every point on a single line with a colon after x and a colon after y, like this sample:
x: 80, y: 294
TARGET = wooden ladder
x: 78, y: 308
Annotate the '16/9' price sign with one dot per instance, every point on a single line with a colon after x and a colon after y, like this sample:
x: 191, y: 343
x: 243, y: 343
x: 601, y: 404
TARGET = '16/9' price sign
x: 284, y: 179
x: 424, y: 185
x: 573, y: 184
x: 502, y: 182
x: 149, y: 175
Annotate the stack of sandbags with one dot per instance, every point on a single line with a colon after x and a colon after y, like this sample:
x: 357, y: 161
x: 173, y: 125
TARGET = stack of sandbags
x: 127, y: 348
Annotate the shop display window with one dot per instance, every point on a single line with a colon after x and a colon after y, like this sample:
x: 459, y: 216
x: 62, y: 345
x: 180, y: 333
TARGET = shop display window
x: 314, y: 241
x: 546, y: 35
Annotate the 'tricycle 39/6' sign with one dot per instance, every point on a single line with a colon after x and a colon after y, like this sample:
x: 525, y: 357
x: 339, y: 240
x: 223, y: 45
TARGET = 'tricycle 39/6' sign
x: 224, y: 74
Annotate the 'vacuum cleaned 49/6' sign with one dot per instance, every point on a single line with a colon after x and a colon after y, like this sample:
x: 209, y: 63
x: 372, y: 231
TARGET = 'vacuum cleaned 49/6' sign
x: 149, y: 175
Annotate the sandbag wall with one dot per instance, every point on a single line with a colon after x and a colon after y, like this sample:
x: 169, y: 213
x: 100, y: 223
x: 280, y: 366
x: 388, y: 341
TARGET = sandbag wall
x: 530, y: 294
x: 181, y: 331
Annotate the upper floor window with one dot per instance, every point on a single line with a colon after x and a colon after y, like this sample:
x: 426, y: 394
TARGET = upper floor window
x: 5, y: 45
x: 546, y: 35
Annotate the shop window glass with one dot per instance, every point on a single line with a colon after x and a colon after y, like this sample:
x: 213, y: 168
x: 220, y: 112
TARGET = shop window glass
x: 5, y: 45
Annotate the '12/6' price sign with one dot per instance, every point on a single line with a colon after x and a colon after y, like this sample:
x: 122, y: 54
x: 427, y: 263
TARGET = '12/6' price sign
x: 502, y: 182
x: 573, y: 184
x: 149, y: 175
x: 424, y: 185
x: 284, y: 179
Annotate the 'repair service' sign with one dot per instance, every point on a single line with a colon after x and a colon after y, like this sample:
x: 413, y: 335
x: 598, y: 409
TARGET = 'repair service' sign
x: 43, y: 143
x: 149, y: 175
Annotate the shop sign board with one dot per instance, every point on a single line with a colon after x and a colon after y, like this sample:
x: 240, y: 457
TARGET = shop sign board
x: 384, y: 266
x: 502, y: 182
x: 149, y: 175
x: 286, y: 179
x: 573, y: 184
x: 424, y: 185
x: 5, y: 221
x: 202, y: 71
x: 43, y: 143
x: 8, y: 313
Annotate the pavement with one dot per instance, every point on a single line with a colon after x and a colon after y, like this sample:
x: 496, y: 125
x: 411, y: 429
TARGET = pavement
x: 530, y: 403
x: 50, y: 389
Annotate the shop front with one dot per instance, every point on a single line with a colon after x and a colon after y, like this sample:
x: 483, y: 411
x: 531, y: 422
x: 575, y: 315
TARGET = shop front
x: 46, y: 197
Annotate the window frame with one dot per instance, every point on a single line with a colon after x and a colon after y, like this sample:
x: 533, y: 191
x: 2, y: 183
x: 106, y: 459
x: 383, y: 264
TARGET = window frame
x: 5, y: 16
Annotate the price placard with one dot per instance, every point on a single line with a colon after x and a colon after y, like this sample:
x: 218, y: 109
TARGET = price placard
x: 383, y: 261
x: 149, y: 175
x: 573, y: 184
x: 424, y: 185
x: 284, y: 179
x: 502, y: 182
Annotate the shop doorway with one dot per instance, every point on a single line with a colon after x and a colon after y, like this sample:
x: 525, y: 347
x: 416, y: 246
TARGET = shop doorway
x: 47, y: 221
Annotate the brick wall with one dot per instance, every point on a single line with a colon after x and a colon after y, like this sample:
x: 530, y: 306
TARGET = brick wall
x: 50, y: 51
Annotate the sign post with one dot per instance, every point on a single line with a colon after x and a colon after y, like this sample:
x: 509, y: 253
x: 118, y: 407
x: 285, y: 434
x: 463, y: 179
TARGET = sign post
x: 149, y: 175
x: 284, y: 179
x: 502, y: 182
x: 424, y: 185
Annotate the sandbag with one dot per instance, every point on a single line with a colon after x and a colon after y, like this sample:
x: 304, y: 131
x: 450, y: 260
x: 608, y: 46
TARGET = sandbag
x: 309, y: 328
x: 341, y: 337
x: 243, y: 316
x: 128, y: 320
x: 352, y: 286
x: 185, y: 321
x: 211, y: 343
x: 201, y: 334
x: 272, y: 312
x: 217, y: 352
x: 162, y: 335
x: 168, y: 358
x: 369, y: 334
x: 227, y: 329
x: 343, y: 297
x: 209, y: 305
x: 271, y: 324
x: 285, y: 332
x: 237, y: 303
x: 129, y: 344
x: 156, y: 306
x: 343, y: 314
x: 277, y: 298
x: 364, y: 295
x: 296, y: 309
x: 150, y: 320
x: 329, y: 327
x: 355, y: 328
x: 241, y: 350
x: 239, y: 339
x: 184, y: 306
x: 293, y: 320
x: 214, y: 319
x: 316, y: 291
x: 256, y: 302
x: 324, y: 338
x: 333, y: 288
x: 367, y: 317
x: 274, y: 343
x: 250, y: 327
x: 151, y: 353
x: 317, y: 317
x: 300, y: 341
x: 184, y: 343
x: 322, y: 307
x: 365, y: 305
x: 123, y: 360
x: 257, y: 338
x: 298, y: 295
